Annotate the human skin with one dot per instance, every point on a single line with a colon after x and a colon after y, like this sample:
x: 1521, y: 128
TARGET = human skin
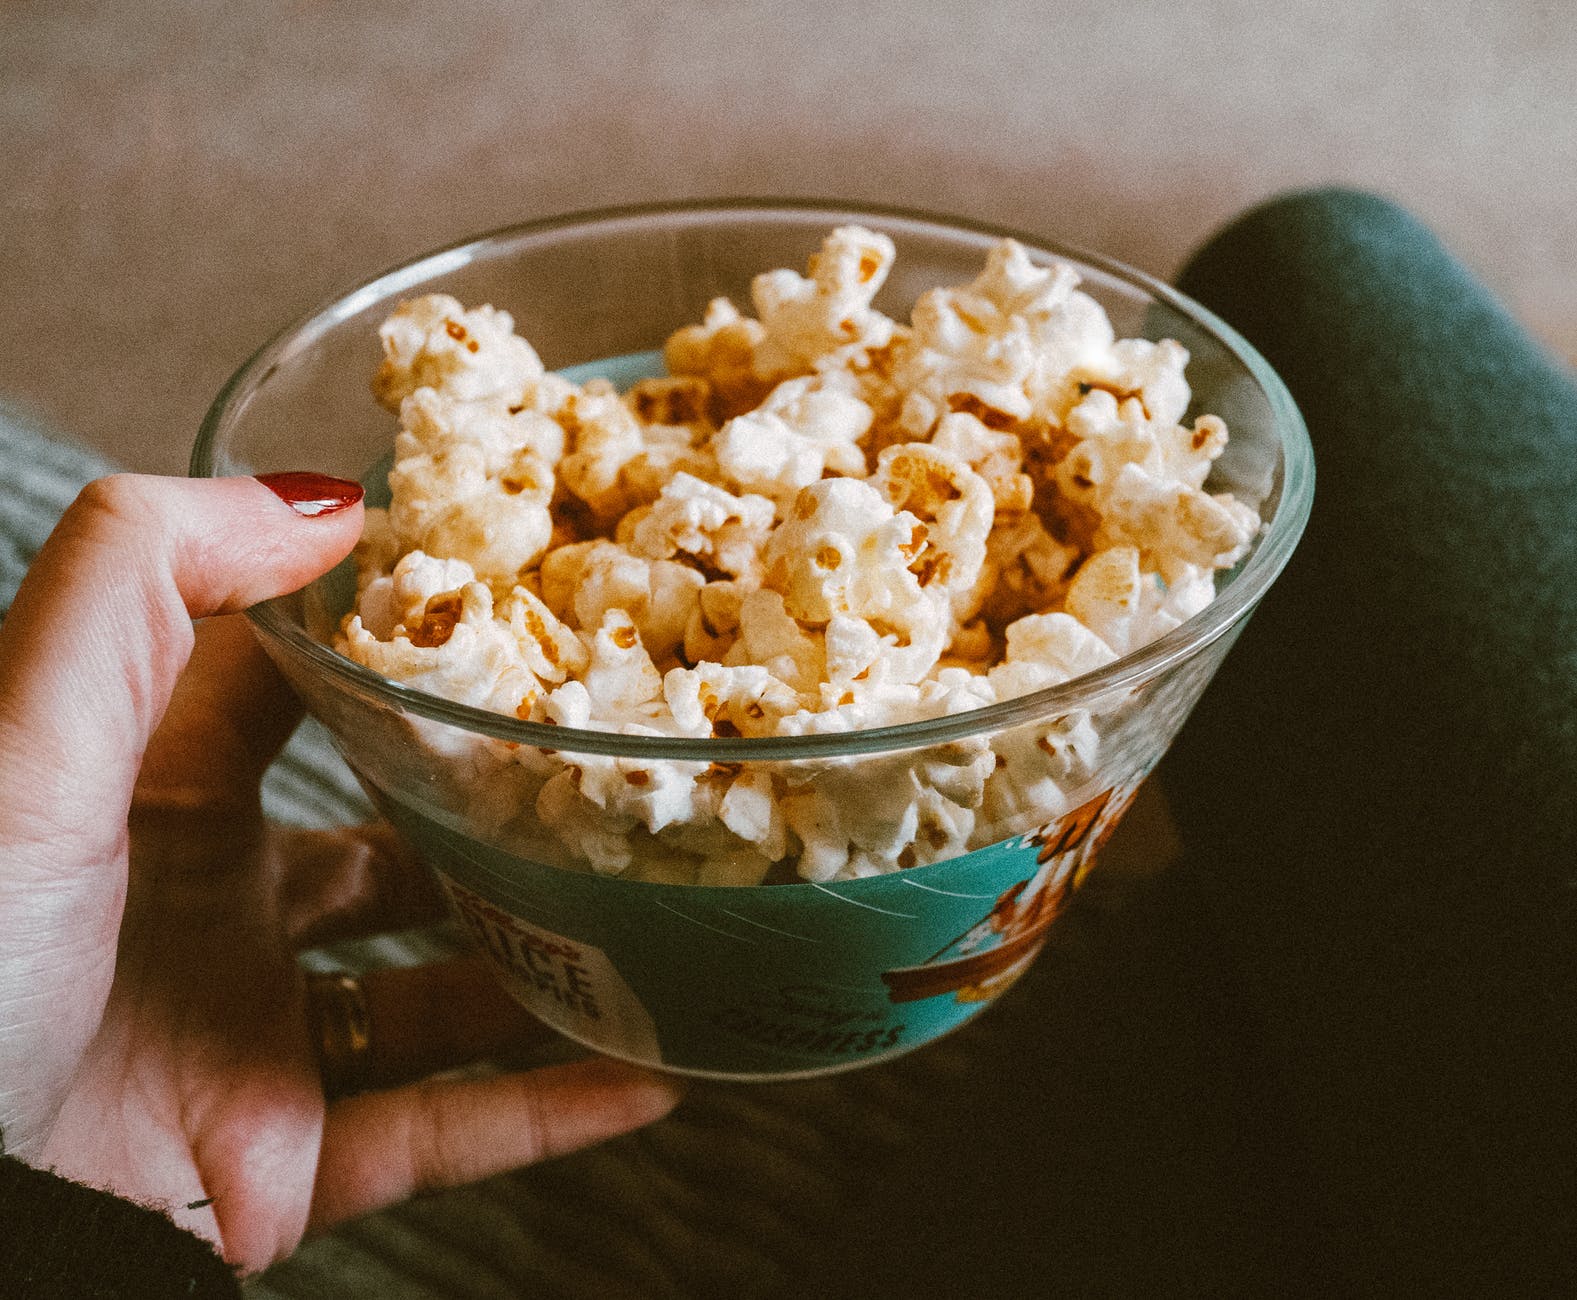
x: 153, y: 1029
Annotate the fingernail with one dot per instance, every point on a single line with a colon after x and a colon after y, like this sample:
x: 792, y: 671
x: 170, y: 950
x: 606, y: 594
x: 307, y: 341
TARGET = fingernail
x: 312, y: 494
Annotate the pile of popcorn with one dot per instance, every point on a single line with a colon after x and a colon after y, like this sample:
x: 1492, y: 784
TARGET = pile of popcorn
x: 820, y: 520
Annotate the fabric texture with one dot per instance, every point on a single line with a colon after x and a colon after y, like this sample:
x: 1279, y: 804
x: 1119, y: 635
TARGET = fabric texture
x: 62, y: 1241
x: 41, y: 475
x: 1379, y: 791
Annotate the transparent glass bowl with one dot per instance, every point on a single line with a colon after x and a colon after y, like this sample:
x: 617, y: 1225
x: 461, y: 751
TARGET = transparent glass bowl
x: 1003, y: 807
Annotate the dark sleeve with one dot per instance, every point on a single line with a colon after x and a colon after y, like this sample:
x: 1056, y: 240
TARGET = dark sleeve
x: 1378, y: 794
x: 60, y: 1239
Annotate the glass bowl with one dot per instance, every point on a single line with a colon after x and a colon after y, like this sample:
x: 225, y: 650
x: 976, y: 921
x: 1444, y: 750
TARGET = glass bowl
x: 1001, y: 809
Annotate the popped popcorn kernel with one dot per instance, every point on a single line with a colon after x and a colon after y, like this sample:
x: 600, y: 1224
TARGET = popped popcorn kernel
x: 997, y: 457
x: 824, y: 320
x: 450, y: 645
x: 1105, y: 595
x: 434, y: 342
x: 721, y: 350
x: 714, y: 699
x: 548, y: 646
x: 713, y: 625
x: 953, y: 504
x: 620, y: 677
x: 678, y: 401
x: 603, y: 438
x: 700, y: 523
x: 584, y: 582
x: 435, y: 422
x: 1026, y: 570
x: 804, y: 429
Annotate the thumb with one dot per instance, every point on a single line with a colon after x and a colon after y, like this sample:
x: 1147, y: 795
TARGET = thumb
x: 102, y: 627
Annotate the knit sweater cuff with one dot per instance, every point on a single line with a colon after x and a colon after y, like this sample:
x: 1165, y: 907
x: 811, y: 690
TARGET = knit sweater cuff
x: 63, y: 1239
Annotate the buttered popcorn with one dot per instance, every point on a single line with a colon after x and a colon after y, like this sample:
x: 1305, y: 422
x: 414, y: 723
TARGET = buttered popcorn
x: 821, y: 520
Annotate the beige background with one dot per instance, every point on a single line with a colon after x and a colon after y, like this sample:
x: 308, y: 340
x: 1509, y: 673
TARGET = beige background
x: 180, y: 178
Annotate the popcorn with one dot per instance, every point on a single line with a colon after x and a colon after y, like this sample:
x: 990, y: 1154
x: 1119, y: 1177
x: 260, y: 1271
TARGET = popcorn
x: 746, y: 700
x: 954, y: 507
x: 551, y: 650
x: 1152, y: 372
x: 805, y: 428
x: 435, y: 422
x: 653, y: 795
x: 473, y: 479
x: 1176, y: 521
x: 769, y: 636
x: 721, y: 350
x: 673, y: 402
x: 1105, y: 595
x: 851, y: 648
x: 850, y: 826
x: 818, y: 522
x: 1033, y: 766
x: 825, y: 321
x: 844, y: 550
x: 713, y: 624
x: 752, y: 811
x: 855, y: 822
x: 856, y: 706
x: 705, y: 525
x: 965, y: 357
x: 451, y: 645
x: 620, y: 677
x: 419, y: 578
x: 1071, y: 744
x: 376, y: 554
x: 596, y: 836
x: 583, y: 582
x: 676, y: 426
x: 1003, y: 348
x: 1026, y: 570
x: 1046, y: 650
x: 604, y: 437
x: 434, y: 342
x: 447, y: 504
x: 997, y: 457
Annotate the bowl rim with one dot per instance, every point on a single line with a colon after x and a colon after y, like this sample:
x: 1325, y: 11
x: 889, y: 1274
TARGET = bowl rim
x: 1125, y: 674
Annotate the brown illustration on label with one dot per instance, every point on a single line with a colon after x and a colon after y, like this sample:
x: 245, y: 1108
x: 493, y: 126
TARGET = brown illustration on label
x: 982, y: 962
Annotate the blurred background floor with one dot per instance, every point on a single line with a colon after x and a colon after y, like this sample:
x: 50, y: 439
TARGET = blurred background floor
x: 182, y: 178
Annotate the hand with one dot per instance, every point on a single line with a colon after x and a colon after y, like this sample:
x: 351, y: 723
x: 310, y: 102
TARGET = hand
x: 153, y: 1031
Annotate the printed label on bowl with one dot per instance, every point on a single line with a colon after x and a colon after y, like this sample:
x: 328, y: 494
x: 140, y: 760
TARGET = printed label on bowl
x: 769, y: 981
x: 548, y: 972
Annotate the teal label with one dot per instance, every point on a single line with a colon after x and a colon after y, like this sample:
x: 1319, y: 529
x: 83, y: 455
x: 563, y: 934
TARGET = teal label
x: 765, y: 982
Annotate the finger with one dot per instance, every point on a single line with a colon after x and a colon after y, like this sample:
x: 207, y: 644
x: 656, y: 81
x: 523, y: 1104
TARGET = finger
x: 352, y: 883
x: 420, y: 1020
x: 384, y: 1147
x: 228, y: 717
x: 101, y: 629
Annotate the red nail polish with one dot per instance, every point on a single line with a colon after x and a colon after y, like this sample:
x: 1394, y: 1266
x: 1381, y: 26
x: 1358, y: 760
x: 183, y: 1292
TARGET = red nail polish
x: 312, y: 494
